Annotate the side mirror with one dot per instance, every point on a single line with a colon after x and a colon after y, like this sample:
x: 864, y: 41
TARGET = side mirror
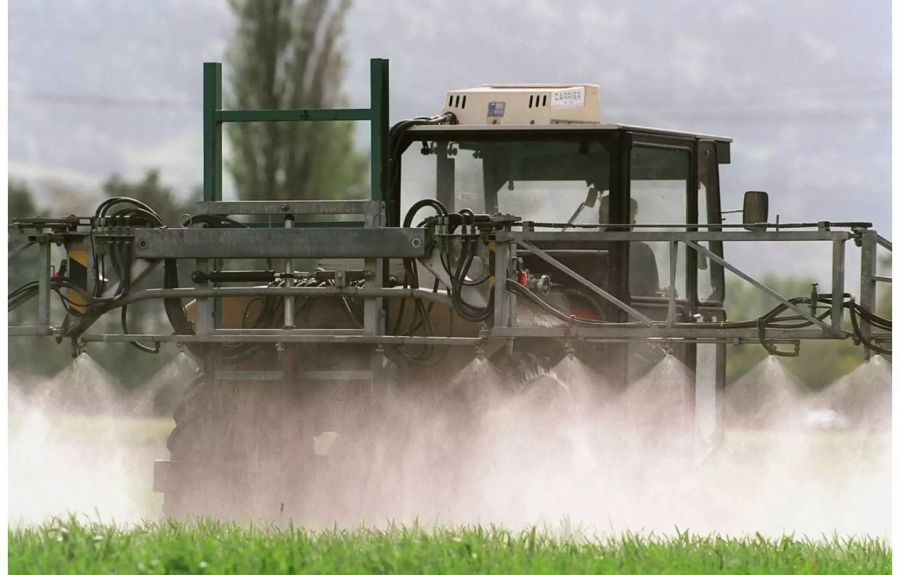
x: 756, y: 210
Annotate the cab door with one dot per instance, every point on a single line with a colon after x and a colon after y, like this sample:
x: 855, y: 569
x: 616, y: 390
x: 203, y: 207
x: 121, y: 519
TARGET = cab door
x: 672, y: 185
x: 660, y: 195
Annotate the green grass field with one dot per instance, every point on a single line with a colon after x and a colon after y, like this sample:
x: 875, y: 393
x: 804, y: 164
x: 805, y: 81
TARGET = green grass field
x: 71, y: 546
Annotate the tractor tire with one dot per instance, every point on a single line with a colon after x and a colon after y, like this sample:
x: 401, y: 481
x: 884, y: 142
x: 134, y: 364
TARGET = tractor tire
x: 247, y: 450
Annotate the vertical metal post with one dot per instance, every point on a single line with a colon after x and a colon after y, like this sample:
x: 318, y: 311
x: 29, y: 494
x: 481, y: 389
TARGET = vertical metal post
x: 446, y: 177
x: 511, y: 318
x: 673, y: 265
x: 212, y: 132
x: 373, y: 323
x: 501, y: 295
x: 288, y: 282
x: 212, y: 152
x: 379, y: 124
x: 837, y: 284
x: 44, y: 284
x: 204, y: 307
x: 372, y: 316
x: 869, y: 268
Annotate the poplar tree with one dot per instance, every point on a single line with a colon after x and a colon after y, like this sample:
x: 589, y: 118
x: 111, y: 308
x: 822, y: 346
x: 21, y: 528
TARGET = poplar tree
x: 287, y: 54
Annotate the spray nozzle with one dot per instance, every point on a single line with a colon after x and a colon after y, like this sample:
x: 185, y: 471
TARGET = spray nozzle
x: 78, y: 347
x: 772, y: 349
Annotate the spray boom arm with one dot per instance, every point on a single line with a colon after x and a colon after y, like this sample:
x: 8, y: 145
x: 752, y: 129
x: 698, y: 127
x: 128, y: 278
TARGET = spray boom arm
x: 472, y: 256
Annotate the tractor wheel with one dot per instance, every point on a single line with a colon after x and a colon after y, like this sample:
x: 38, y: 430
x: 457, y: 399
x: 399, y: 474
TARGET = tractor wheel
x: 268, y: 450
x: 217, y: 451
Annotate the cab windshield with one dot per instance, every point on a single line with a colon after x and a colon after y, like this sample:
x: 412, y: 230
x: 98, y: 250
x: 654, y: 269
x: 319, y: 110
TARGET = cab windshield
x: 546, y: 181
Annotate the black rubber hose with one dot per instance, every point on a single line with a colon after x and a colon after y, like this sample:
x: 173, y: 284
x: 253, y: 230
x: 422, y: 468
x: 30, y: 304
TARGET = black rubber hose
x: 21, y: 295
x: 107, y: 204
x: 395, y: 141
x: 857, y: 331
x: 438, y: 206
x: 138, y: 345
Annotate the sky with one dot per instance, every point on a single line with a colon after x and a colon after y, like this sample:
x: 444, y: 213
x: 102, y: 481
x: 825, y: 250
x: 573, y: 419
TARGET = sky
x: 803, y: 88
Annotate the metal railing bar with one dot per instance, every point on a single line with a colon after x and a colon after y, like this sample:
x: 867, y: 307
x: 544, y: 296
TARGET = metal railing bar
x: 664, y: 236
x: 171, y: 293
x: 309, y: 115
x: 588, y: 284
x: 673, y: 270
x: 284, y: 337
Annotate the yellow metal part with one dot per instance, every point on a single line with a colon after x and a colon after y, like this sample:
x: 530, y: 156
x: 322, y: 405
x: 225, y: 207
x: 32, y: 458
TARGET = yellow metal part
x: 78, y: 265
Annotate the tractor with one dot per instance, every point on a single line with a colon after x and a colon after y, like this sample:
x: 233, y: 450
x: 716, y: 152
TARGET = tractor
x: 508, y: 232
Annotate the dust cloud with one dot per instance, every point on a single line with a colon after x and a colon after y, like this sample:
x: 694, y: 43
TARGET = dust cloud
x: 79, y: 444
x: 560, y: 448
x: 565, y: 449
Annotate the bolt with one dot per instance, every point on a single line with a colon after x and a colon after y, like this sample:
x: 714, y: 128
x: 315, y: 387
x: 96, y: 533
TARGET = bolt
x: 284, y: 207
x: 416, y: 242
x: 142, y: 244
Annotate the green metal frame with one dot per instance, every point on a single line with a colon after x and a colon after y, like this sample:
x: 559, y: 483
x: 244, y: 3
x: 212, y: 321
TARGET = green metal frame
x: 214, y: 117
x: 377, y: 114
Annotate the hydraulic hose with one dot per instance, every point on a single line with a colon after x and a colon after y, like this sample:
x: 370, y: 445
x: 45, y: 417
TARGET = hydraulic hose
x: 395, y: 142
x: 136, y: 344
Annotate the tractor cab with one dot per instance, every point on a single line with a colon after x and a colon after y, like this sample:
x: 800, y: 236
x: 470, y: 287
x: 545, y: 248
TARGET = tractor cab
x: 541, y: 154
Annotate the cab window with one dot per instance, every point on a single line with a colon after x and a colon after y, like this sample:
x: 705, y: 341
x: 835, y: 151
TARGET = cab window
x: 659, y: 195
